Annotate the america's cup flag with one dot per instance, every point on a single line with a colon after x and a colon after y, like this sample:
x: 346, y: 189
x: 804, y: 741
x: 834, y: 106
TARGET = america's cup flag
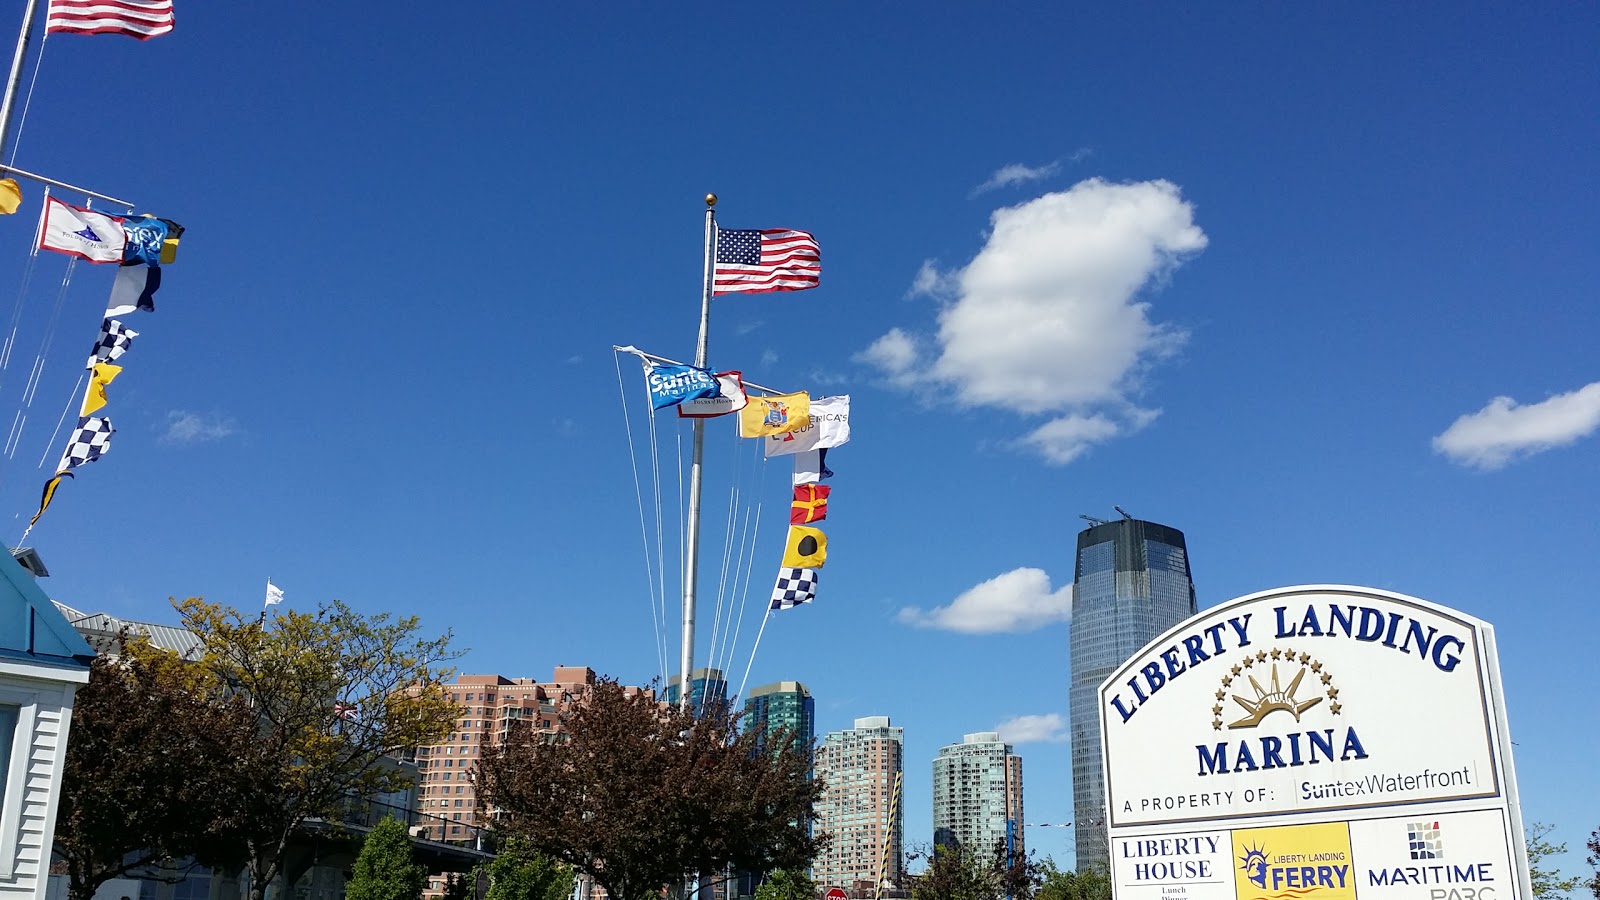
x: 772, y: 259
x: 140, y: 19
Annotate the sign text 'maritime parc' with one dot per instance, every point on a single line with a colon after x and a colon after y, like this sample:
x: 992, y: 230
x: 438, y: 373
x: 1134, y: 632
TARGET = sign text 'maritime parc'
x: 1286, y: 745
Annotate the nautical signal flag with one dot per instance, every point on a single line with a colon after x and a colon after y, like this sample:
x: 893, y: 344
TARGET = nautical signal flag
x: 10, y: 196
x: 142, y: 19
x: 80, y: 232
x: 772, y: 259
x: 88, y: 443
x: 810, y: 504
x: 807, y: 548
x: 134, y: 288
x: 49, y: 494
x: 115, y: 339
x: 811, y: 467
x: 794, y: 587
x: 102, y: 375
x: 775, y: 414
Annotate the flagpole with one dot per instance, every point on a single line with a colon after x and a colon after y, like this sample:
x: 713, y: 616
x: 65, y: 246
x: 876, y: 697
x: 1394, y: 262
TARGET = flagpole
x: 697, y: 456
x: 15, y: 81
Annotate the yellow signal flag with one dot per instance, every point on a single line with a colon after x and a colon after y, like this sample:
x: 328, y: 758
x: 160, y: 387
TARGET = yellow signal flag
x: 169, y: 251
x: 775, y: 414
x: 807, y: 548
x: 10, y: 196
x: 95, y: 397
x: 49, y: 494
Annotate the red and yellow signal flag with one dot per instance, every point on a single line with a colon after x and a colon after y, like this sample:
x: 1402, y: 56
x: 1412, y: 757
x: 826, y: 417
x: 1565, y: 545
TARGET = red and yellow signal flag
x: 810, y: 504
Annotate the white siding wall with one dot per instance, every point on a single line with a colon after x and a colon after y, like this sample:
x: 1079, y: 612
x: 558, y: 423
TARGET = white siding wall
x: 33, y: 784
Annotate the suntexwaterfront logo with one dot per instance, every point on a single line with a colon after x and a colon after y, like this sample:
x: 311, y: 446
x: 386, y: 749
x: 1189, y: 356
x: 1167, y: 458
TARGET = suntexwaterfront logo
x: 1282, y: 691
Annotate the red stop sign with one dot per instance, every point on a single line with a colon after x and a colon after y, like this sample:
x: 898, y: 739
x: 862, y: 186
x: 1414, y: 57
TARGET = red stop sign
x: 835, y: 894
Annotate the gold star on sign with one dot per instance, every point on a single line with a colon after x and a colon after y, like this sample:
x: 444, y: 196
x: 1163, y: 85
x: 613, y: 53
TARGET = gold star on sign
x: 1305, y: 658
x: 1334, y: 707
x: 1261, y: 656
x: 1217, y: 709
x: 1333, y: 693
x: 1289, y: 653
x: 1276, y: 653
x: 1236, y: 670
x: 1316, y: 665
x: 1221, y: 695
x: 1326, y: 678
x: 1216, y: 724
x: 1249, y: 661
x: 1226, y: 680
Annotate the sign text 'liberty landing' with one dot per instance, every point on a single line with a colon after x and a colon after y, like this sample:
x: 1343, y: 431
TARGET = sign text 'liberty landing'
x: 1300, y: 700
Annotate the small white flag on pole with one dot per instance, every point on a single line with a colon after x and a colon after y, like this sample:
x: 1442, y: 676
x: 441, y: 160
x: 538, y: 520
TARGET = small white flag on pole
x: 274, y: 594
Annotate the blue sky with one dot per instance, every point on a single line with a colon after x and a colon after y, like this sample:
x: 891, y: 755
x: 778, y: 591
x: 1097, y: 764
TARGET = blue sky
x: 1294, y: 256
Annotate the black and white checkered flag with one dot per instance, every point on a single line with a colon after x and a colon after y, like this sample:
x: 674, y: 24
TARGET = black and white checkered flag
x: 88, y: 442
x: 795, y: 586
x: 115, y: 338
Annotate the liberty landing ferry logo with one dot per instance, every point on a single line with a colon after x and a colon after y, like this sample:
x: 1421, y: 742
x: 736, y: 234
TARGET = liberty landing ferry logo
x: 1254, y: 866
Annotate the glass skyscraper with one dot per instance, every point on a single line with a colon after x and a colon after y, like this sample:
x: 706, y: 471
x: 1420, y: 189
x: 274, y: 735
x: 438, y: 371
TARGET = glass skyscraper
x: 782, y: 704
x: 1131, y: 583
x: 704, y: 685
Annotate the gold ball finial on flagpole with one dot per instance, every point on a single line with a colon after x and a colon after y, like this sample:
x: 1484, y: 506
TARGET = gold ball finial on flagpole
x: 711, y: 200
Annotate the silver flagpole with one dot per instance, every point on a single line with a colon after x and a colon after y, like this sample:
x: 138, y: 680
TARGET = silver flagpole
x: 16, y: 75
x: 692, y: 536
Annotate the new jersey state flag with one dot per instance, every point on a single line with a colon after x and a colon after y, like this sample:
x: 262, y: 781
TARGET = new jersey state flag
x: 829, y: 427
x: 807, y: 548
x: 775, y: 414
x: 810, y: 504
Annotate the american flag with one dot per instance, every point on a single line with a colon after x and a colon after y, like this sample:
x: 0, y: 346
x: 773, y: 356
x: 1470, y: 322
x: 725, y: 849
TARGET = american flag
x: 772, y: 259
x: 135, y: 18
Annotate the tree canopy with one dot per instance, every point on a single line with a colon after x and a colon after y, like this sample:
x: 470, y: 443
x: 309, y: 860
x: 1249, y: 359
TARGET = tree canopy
x: 787, y: 884
x: 957, y: 872
x: 158, y: 767
x: 333, y: 692
x: 386, y: 868
x: 519, y: 872
x: 1055, y: 884
x: 1547, y: 881
x: 639, y: 796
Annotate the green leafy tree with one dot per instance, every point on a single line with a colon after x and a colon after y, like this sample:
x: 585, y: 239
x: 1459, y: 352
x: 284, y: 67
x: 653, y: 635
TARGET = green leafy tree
x: 1594, y: 860
x: 519, y: 872
x: 158, y: 766
x: 460, y: 886
x: 334, y: 692
x: 787, y: 884
x: 1547, y: 882
x: 638, y: 795
x: 1055, y: 884
x: 385, y: 869
x: 956, y: 872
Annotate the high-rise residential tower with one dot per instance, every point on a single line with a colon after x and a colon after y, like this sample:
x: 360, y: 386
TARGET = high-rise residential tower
x: 859, y: 766
x: 703, y: 684
x: 977, y: 794
x: 490, y: 704
x: 1131, y: 583
x: 782, y: 704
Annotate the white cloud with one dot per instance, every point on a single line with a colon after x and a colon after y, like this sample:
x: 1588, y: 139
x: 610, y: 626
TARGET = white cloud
x: 931, y: 282
x: 185, y: 427
x: 1063, y: 440
x: 1015, y: 601
x: 769, y: 358
x: 1016, y: 173
x: 896, y: 354
x: 1050, y: 728
x: 1049, y: 316
x: 1503, y: 431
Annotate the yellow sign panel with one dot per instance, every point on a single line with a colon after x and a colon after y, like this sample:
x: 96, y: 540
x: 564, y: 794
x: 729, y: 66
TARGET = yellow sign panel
x: 1294, y: 862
